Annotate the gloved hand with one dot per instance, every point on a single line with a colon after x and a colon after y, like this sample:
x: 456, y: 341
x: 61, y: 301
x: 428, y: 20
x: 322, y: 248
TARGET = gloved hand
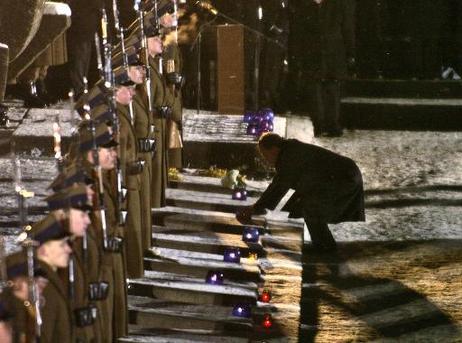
x: 175, y: 79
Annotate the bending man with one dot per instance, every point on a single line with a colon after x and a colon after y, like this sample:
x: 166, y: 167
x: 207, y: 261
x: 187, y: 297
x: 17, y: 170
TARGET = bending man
x: 328, y: 187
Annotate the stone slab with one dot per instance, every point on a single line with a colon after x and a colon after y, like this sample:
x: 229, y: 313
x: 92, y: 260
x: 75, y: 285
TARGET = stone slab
x: 16, y: 114
x: 152, y: 313
x: 32, y: 169
x: 176, y: 287
x: 206, y: 200
x: 34, y: 136
x: 213, y: 127
x: 197, y: 219
x: 200, y: 241
x: 157, y: 336
x: 200, y: 220
x: 190, y: 181
x: 197, y: 264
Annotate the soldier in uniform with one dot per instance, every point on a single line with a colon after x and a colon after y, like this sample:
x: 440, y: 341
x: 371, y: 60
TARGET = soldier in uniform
x: 131, y: 171
x: 173, y: 65
x: 70, y: 206
x: 15, y: 298
x: 80, y: 39
x: 74, y: 175
x: 159, y: 91
x: 113, y: 309
x: 144, y: 131
x: 53, y: 253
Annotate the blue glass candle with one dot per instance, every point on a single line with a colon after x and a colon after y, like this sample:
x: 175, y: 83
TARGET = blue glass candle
x: 239, y: 194
x: 248, y: 116
x: 214, y: 277
x: 242, y: 310
x: 250, y: 235
x: 232, y: 255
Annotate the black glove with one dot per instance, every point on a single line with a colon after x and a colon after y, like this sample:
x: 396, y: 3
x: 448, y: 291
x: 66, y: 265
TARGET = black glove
x: 175, y: 79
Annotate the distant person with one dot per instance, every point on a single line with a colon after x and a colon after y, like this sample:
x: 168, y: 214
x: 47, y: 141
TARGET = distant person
x: 85, y: 19
x: 328, y: 187
x: 322, y: 49
x: 275, y: 25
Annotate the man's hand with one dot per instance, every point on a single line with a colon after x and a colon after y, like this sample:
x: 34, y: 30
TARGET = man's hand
x: 244, y: 215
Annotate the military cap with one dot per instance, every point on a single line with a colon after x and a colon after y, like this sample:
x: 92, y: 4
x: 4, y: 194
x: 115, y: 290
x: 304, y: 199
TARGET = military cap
x: 48, y: 229
x: 133, y: 58
x: 122, y: 78
x: 17, y: 264
x: 74, y: 196
x: 72, y: 174
x: 103, y: 137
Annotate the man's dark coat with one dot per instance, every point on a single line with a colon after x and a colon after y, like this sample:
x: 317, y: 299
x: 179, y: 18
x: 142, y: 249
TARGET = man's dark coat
x: 328, y: 187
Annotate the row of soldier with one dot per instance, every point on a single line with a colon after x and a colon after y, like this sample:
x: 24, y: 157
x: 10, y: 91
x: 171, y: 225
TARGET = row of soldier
x: 69, y: 282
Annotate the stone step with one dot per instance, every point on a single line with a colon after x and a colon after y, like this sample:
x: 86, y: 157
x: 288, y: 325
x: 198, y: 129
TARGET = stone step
x: 181, y: 336
x: 206, y: 200
x: 32, y: 169
x: 148, y: 313
x: 184, y: 218
x: 200, y: 241
x: 437, y: 89
x: 177, y: 287
x: 194, y: 219
x: 34, y: 136
x: 402, y: 113
x: 189, y: 181
x: 195, y: 264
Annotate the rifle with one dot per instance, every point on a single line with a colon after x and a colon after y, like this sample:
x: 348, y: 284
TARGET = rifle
x: 99, y: 175
x: 3, y: 272
x: 109, y: 82
x: 144, y: 47
x: 120, y: 33
x: 29, y: 245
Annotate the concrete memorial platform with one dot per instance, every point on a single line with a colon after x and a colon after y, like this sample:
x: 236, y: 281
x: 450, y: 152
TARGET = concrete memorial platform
x: 218, y: 139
